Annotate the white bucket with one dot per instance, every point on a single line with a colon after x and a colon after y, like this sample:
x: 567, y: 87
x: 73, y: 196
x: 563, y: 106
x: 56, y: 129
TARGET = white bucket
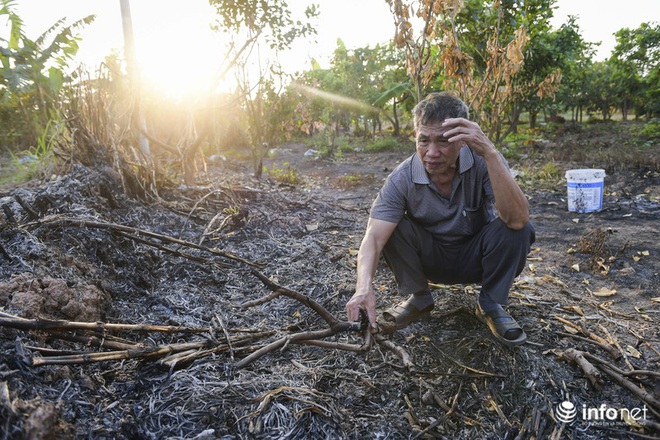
x: 585, y: 190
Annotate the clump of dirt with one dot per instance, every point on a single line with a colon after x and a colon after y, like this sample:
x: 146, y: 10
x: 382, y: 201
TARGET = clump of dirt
x: 46, y: 422
x: 77, y: 248
x: 52, y: 298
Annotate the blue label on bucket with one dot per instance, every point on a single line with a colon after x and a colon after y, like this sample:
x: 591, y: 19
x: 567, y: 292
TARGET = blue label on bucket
x: 585, y: 197
x: 585, y: 185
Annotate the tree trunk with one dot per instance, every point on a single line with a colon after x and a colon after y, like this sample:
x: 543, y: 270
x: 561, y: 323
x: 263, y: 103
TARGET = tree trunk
x: 515, y: 120
x: 133, y: 74
x: 259, y: 168
x: 532, y: 119
x: 396, y: 125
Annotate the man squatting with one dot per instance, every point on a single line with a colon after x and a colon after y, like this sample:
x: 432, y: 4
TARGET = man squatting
x: 451, y: 213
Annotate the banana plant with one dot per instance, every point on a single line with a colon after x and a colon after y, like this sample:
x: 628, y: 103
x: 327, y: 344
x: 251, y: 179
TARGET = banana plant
x: 32, y: 75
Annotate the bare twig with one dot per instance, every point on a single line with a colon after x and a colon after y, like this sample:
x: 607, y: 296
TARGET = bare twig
x: 32, y: 214
x: 601, y: 342
x: 295, y: 338
x: 582, y: 359
x: 342, y: 345
x: 7, y: 320
x: 643, y: 395
x: 95, y: 341
x: 227, y: 338
x: 262, y: 300
x: 237, y: 344
x: 309, y: 337
x: 185, y: 255
x: 491, y: 400
x: 593, y: 374
x: 608, y: 348
x: 5, y: 400
x: 318, y: 308
x: 620, y: 377
x: 138, y: 353
x: 473, y: 370
x: 399, y: 351
x: 450, y: 411
x: 83, y: 223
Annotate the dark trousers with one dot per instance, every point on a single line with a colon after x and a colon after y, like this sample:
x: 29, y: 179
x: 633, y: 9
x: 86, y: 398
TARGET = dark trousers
x: 494, y: 257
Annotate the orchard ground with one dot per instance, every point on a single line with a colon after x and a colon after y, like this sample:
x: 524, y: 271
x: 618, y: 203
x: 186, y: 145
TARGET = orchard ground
x: 590, y: 288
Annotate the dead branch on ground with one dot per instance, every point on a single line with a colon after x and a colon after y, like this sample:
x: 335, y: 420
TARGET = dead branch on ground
x: 594, y: 337
x: 592, y: 373
x: 7, y: 320
x: 593, y: 366
x: 136, y: 233
x: 185, y: 353
x: 313, y: 338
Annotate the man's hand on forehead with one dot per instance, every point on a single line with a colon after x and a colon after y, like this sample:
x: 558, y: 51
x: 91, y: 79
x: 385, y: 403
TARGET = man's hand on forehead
x: 468, y: 132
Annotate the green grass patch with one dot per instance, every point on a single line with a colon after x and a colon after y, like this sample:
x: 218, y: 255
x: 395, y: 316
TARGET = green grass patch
x: 285, y: 174
x: 388, y: 144
x: 532, y: 176
x: 354, y: 180
x: 515, y: 143
x: 329, y: 147
x: 651, y: 130
x: 37, y: 161
x: 24, y: 166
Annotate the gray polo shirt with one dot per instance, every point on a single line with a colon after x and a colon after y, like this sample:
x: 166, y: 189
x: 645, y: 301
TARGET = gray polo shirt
x: 409, y: 191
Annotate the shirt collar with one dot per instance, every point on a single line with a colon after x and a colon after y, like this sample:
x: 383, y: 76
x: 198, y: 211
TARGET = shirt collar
x: 465, y: 162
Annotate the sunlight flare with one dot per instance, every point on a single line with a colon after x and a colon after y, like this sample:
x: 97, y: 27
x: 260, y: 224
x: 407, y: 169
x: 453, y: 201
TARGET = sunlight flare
x: 335, y: 98
x: 178, y: 59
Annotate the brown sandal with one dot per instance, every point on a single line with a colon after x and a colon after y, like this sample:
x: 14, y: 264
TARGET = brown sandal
x: 500, y: 322
x: 405, y: 313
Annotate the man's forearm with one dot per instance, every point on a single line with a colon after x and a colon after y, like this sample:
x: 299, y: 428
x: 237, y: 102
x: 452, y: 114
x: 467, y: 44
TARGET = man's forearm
x: 367, y: 262
x: 510, y: 201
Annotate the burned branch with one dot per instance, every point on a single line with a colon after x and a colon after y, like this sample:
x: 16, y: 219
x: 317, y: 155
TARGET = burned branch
x: 592, y: 373
x: 131, y: 232
x: 7, y: 320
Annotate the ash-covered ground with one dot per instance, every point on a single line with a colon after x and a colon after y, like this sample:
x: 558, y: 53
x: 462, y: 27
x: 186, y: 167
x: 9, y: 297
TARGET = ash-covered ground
x: 78, y: 249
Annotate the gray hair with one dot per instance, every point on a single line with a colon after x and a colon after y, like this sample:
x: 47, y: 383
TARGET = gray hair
x: 437, y: 107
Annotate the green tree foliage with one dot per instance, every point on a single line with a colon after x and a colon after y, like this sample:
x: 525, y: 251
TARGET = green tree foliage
x: 349, y: 95
x: 550, y: 60
x: 362, y: 74
x: 32, y: 76
x: 393, y: 86
x: 635, y: 62
x: 325, y: 108
x: 601, y: 89
x: 252, y: 23
x: 313, y: 111
x: 267, y: 113
x: 271, y: 19
x: 502, y: 57
x: 575, y: 57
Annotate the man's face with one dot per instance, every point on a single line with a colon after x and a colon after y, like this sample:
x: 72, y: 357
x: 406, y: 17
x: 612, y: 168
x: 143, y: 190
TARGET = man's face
x: 436, y: 153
